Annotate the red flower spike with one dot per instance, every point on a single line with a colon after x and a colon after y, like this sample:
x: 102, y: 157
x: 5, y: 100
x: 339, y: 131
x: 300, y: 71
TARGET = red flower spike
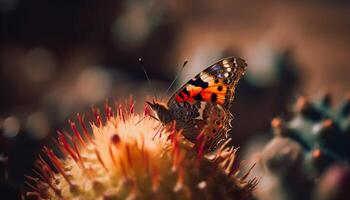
x: 120, y: 111
x: 96, y: 113
x: 131, y: 104
x: 132, y: 108
x: 157, y: 132
x: 116, y: 108
x: 173, y: 131
x: 58, y: 165
x: 44, y: 168
x: 76, y: 150
x: 77, y: 133
x: 61, y: 148
x: 83, y: 126
x: 63, y: 142
x: 108, y: 110
x: 42, y: 164
x: 146, y: 110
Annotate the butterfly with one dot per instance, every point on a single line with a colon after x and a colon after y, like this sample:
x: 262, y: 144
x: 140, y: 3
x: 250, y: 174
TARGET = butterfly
x: 201, y: 106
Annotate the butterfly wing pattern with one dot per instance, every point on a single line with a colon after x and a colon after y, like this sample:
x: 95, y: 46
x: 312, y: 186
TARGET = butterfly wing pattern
x: 201, y: 105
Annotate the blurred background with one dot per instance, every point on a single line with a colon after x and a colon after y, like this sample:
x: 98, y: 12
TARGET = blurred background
x: 58, y: 58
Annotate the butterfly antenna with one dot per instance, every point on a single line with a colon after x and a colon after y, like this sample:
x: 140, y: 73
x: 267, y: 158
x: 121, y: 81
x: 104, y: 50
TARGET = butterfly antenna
x: 147, y: 77
x: 177, y: 76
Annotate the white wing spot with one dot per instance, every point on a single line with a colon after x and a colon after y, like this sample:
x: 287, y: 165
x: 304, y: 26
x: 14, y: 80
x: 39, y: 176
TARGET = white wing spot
x: 201, y: 110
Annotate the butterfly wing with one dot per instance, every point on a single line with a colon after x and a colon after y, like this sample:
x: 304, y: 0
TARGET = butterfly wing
x: 201, y: 105
x: 211, y: 119
x: 215, y: 84
x: 218, y: 123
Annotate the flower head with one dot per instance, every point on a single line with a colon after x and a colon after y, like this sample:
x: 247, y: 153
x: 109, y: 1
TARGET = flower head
x: 131, y: 156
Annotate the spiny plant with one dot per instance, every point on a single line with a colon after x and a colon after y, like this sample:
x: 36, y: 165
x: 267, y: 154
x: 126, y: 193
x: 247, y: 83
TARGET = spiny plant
x: 315, y: 138
x: 127, y: 156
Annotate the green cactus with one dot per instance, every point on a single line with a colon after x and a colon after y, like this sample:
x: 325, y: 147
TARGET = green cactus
x: 316, y: 137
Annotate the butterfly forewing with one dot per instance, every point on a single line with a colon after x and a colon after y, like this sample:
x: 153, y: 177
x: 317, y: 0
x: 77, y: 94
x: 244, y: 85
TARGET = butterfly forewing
x: 215, y: 84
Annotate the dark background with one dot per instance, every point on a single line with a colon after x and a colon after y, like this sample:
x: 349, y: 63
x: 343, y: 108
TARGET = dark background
x: 59, y: 57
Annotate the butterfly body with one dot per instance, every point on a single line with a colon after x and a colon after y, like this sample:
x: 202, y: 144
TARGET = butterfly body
x: 201, y: 105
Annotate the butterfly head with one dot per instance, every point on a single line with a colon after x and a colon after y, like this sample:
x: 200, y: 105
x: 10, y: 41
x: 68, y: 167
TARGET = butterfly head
x: 162, y: 112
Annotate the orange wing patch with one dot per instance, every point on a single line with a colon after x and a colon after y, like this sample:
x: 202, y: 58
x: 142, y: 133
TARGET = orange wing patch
x: 215, y: 92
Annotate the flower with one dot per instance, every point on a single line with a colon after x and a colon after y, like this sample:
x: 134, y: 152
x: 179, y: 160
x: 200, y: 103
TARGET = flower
x: 132, y: 156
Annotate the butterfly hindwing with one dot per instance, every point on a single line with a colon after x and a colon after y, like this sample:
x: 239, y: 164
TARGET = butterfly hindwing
x: 210, y: 118
x: 217, y: 124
